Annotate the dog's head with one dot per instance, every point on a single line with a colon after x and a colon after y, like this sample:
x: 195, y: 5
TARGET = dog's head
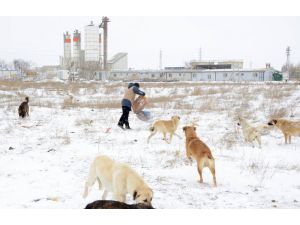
x: 175, y: 118
x: 189, y: 131
x: 26, y: 99
x: 143, y: 195
x: 272, y: 122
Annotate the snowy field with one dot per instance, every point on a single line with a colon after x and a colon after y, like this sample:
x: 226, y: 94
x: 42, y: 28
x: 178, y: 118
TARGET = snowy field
x: 44, y: 159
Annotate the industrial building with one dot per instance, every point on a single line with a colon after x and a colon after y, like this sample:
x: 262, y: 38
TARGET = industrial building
x: 118, y: 61
x: 216, y: 64
x: 238, y: 75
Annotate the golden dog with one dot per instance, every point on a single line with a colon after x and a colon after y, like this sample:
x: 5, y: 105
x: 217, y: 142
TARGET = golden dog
x: 165, y: 126
x: 198, y: 150
x: 251, y: 133
x: 119, y: 179
x: 287, y: 127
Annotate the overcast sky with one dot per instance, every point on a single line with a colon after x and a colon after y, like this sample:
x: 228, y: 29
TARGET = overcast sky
x: 256, y: 40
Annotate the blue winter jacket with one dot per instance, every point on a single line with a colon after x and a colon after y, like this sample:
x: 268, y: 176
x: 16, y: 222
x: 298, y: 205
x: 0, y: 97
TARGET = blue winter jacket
x: 136, y: 90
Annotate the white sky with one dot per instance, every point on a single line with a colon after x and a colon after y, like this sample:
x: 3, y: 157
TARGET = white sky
x: 256, y: 40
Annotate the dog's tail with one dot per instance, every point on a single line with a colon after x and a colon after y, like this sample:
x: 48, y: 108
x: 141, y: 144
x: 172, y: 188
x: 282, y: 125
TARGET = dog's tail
x: 210, y: 156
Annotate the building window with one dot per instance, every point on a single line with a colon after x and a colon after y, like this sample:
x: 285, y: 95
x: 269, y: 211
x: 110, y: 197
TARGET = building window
x: 115, y: 75
x: 225, y: 75
x: 161, y: 75
x: 209, y: 76
x: 255, y: 74
x: 170, y: 75
x: 153, y: 75
x: 180, y: 74
x: 242, y: 74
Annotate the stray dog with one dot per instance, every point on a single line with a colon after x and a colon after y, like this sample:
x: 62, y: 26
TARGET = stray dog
x: 106, y: 204
x: 165, y: 126
x: 24, y: 108
x: 251, y: 133
x: 287, y: 127
x: 119, y: 179
x: 198, y: 150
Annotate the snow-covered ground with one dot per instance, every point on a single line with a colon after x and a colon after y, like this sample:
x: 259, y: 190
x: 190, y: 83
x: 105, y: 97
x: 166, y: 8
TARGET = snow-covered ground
x: 44, y: 159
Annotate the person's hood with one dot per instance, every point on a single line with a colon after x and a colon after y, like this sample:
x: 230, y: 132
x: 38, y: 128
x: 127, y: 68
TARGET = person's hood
x: 130, y: 85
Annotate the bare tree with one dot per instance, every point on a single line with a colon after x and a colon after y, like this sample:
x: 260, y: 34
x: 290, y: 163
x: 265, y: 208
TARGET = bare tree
x: 293, y: 70
x: 3, y: 64
x: 21, y: 65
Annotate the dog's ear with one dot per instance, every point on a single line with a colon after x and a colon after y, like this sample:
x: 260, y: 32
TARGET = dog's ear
x: 134, y: 195
x: 194, y: 128
x: 275, y: 121
x: 184, y: 128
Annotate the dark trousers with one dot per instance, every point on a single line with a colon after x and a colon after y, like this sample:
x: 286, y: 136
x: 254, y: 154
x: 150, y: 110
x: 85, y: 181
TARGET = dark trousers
x: 124, y: 118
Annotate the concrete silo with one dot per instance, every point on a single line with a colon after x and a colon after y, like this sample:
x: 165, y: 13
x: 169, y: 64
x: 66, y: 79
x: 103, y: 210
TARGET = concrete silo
x: 76, y: 48
x: 91, y: 43
x: 67, y: 50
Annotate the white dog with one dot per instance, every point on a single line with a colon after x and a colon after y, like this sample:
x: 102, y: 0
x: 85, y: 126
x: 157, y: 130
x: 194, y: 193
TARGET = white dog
x: 251, y: 133
x: 119, y: 179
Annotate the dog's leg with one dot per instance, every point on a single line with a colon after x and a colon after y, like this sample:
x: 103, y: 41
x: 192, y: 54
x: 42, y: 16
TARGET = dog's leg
x: 104, y: 195
x: 258, y: 141
x: 90, y: 181
x: 213, y: 171
x: 152, y: 134
x: 200, y: 167
x: 99, y: 183
x: 165, y: 137
x: 285, y: 138
x: 290, y: 139
x: 171, y: 136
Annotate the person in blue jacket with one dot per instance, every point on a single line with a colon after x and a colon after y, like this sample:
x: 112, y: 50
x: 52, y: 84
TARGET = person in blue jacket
x: 129, y: 96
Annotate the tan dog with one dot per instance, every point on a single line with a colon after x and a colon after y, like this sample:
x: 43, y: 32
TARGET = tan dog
x: 251, y: 133
x: 119, y: 179
x: 165, y: 126
x: 287, y: 127
x: 198, y: 150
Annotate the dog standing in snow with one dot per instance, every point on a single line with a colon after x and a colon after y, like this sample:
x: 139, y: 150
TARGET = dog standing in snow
x: 24, y: 108
x: 288, y: 128
x: 197, y: 149
x: 119, y: 179
x: 251, y: 133
x: 165, y: 126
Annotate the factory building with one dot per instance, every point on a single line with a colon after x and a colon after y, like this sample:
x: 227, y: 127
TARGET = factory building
x: 216, y: 64
x: 118, y: 61
x: 92, y: 43
x: 76, y: 49
x: 67, y: 50
x: 236, y: 75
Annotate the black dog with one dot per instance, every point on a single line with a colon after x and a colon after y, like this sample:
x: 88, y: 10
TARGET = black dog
x: 107, y: 204
x: 24, y: 108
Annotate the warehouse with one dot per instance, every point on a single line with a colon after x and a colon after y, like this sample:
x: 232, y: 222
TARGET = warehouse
x: 264, y: 74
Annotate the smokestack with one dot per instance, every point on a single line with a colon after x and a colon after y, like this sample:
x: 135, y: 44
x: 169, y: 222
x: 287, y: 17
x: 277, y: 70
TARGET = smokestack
x: 103, y: 25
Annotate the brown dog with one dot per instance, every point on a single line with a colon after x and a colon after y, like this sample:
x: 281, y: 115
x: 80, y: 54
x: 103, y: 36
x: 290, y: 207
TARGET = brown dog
x: 24, y: 108
x: 165, y: 126
x: 198, y: 150
x: 287, y: 127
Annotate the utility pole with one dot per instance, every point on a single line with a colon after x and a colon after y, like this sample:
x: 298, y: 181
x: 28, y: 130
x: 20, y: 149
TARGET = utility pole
x: 160, y: 59
x: 103, y: 25
x: 200, y: 54
x: 288, y: 53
